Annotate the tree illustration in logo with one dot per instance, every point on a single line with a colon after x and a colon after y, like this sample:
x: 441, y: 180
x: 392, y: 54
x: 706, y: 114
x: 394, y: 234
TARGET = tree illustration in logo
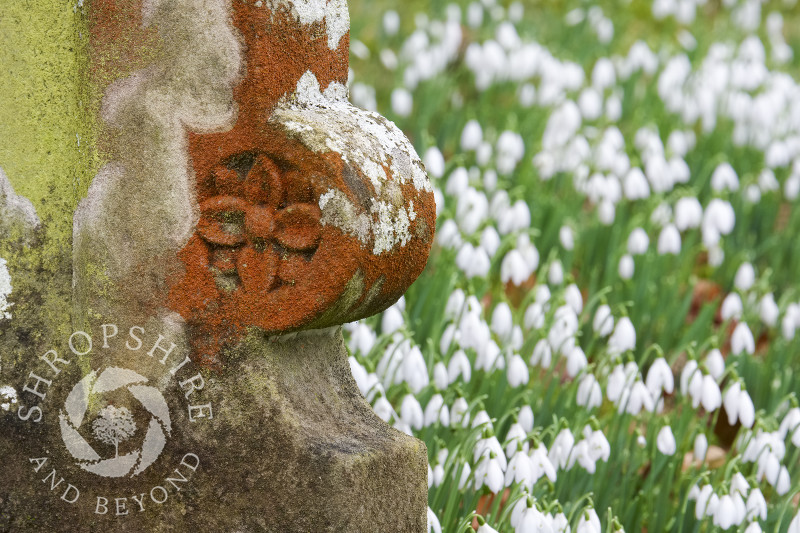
x: 114, y: 426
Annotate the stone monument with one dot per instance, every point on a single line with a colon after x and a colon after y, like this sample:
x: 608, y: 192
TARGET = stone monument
x: 193, y: 373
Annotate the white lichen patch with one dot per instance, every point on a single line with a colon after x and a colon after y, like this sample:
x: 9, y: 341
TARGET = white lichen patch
x: 141, y: 205
x: 15, y: 208
x: 5, y: 290
x: 8, y: 397
x: 327, y: 122
x: 333, y: 12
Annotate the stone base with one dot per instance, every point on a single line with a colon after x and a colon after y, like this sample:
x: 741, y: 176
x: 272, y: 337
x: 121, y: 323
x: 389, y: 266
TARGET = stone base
x: 292, y: 446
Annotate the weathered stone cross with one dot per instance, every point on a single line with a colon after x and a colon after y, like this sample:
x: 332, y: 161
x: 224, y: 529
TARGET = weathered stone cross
x: 244, y: 210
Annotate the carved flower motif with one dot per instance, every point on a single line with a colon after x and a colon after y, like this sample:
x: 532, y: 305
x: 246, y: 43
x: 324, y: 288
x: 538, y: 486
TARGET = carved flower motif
x: 258, y: 222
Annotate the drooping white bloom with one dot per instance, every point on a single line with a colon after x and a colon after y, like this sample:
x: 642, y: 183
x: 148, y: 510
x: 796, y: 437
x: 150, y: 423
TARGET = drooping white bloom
x: 555, y: 273
x: 669, y: 240
x: 742, y: 340
x: 576, y: 361
x: 415, y: 371
x: 719, y: 219
x: 471, y: 136
x: 725, y: 513
x: 459, y: 412
x: 659, y: 378
x: 514, y: 269
x: 626, y: 267
x: 402, y: 101
x: 525, y: 418
x: 566, y: 237
x: 768, y: 310
x: 519, y: 470
x: 688, y: 213
x: 516, y: 438
x: 490, y: 240
x: 459, y: 366
x: 434, y: 162
x: 589, y: 522
x: 436, y: 411
x: 517, y: 373
x: 574, y: 298
x: 457, y: 182
x: 541, y: 464
x: 635, y: 186
x: 542, y: 354
x: 756, y: 505
x: 715, y: 363
x: 433, y: 522
x: 502, y: 321
x: 603, y: 323
x: 635, y: 399
x: 711, y: 397
x: 383, y: 409
x: 411, y: 412
x: 724, y: 178
x: 731, y: 307
x: 561, y: 449
x: 623, y: 338
x: 563, y: 330
x: 589, y: 394
x: 665, y: 441
x: 745, y: 277
x: 700, y: 447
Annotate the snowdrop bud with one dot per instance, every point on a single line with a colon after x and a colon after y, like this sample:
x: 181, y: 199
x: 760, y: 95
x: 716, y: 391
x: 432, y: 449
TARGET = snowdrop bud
x: 742, y: 340
x: 745, y: 277
x: 711, y: 395
x: 589, y: 393
x: 731, y: 307
x: 566, y: 237
x: 402, y: 102
x: 715, y: 364
x: 576, y: 361
x: 700, y: 447
x: 669, y: 241
x: 768, y: 310
x: 603, y: 323
x: 574, y: 298
x: 555, y: 274
x: 517, y: 372
x: 502, y: 321
x: 440, y: 377
x: 623, y: 338
x: 626, y: 267
x: 688, y: 213
x: 638, y: 242
x: 471, y: 136
x: 542, y: 354
x: 783, y: 484
x: 434, y: 162
x: 724, y: 178
x: 514, y: 268
x: 665, y: 441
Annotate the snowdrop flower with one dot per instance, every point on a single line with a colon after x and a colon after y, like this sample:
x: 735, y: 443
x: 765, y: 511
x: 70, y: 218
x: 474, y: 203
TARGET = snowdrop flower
x: 391, y: 22
x: 514, y: 269
x: 517, y: 373
x: 489, y: 473
x: 564, y: 328
x: 525, y: 418
x: 561, y: 448
x: 756, y: 505
x: 415, y: 371
x: 725, y: 513
x: 576, y: 361
x: 688, y: 213
x: 515, y: 438
x: 621, y: 378
x: 392, y: 320
x: 555, y: 273
x: 661, y: 215
x: 434, y: 162
x: 383, y: 409
x: 745, y: 277
x: 589, y: 393
x: 574, y: 298
x: 635, y: 399
x: 362, y: 339
x: 402, y: 102
x: 731, y: 307
x: 566, y: 237
x: 590, y: 103
x: 742, y: 340
x: 606, y: 212
x: 794, y: 526
x: 790, y: 422
x: 534, y: 316
x: 436, y: 411
x: 519, y: 470
x: 542, y: 354
x: 768, y: 310
x: 724, y: 178
x: 791, y: 321
x: 753, y: 528
x: 669, y: 240
x: 603, y: 323
x: 458, y: 413
x: 623, y: 338
x: 638, y: 242
x: 440, y: 376
x: 459, y: 366
x: 589, y: 522
x: 659, y: 378
x: 626, y: 267
x: 474, y: 262
x: 471, y: 136
x: 510, y: 150
x: 635, y: 186
x: 715, y: 364
x: 783, y: 484
x: 541, y: 465
x: 739, y: 485
x: 718, y: 219
x: 700, y: 447
x: 471, y: 210
x: 490, y: 240
x: 687, y: 374
x: 482, y: 419
x: 449, y: 236
x: 502, y: 321
x: 433, y: 522
x: 411, y: 412
x: 707, y: 502
x: 665, y: 441
x: 711, y: 397
x: 457, y: 182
